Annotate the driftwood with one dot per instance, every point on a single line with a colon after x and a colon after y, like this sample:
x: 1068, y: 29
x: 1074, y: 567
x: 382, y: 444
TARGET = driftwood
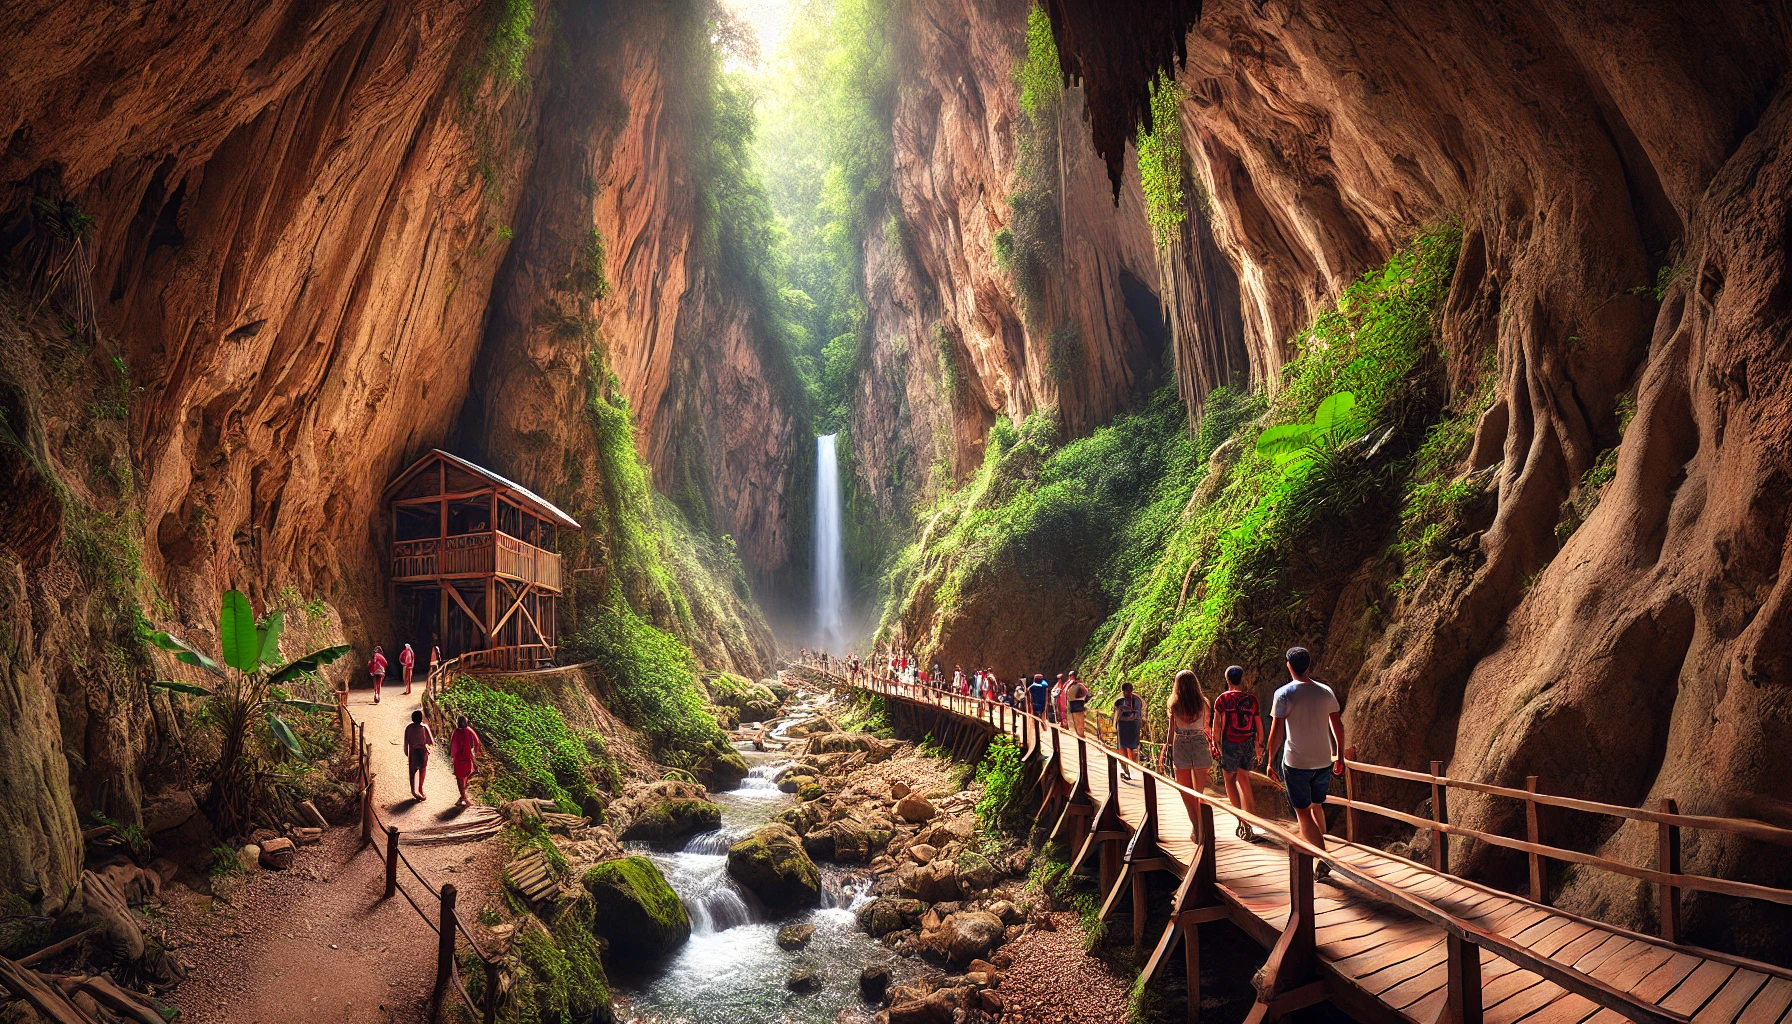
x: 119, y: 1001
x: 58, y: 948
x: 43, y: 997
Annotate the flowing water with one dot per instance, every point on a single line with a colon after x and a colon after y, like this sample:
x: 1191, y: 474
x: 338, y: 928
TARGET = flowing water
x: 830, y: 551
x: 732, y: 971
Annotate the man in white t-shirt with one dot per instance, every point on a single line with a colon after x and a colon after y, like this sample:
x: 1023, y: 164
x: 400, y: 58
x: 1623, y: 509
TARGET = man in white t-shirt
x: 1306, y: 713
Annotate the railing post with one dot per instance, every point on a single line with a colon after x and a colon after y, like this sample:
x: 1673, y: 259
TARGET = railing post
x: 444, y: 952
x: 1463, y: 1005
x: 1533, y: 834
x: 367, y: 810
x: 1440, y: 813
x: 391, y: 861
x: 1350, y: 794
x: 1667, y: 859
x: 491, y: 992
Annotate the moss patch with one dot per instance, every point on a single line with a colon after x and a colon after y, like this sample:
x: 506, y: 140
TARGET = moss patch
x: 636, y: 910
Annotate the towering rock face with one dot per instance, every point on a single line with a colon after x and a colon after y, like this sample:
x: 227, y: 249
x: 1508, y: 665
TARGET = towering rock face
x: 952, y: 347
x: 1620, y: 174
x: 297, y: 216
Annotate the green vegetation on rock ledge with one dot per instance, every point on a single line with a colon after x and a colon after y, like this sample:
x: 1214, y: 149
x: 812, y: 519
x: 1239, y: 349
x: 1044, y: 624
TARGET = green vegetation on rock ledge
x: 529, y: 736
x: 1205, y: 547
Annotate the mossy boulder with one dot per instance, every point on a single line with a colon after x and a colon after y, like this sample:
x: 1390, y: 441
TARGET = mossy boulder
x: 844, y: 743
x: 890, y: 914
x: 671, y: 821
x: 753, y: 701
x: 772, y: 864
x: 637, y: 911
x: 724, y: 769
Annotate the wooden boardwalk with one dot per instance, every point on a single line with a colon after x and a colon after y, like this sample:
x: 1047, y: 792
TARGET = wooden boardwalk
x: 1385, y: 939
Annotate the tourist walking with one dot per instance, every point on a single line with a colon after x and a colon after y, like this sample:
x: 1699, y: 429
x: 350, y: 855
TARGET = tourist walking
x: 406, y: 658
x: 1191, y: 753
x: 1040, y: 694
x: 1076, y: 702
x: 417, y: 744
x: 463, y: 746
x: 376, y: 667
x: 1129, y: 715
x: 1239, y: 727
x: 1307, y: 724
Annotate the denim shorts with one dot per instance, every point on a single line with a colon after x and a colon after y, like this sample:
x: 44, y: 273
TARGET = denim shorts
x: 1238, y: 757
x: 1306, y: 785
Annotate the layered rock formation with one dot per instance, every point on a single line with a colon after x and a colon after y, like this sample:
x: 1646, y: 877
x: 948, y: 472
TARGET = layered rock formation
x: 950, y: 347
x: 1619, y: 173
x: 296, y: 217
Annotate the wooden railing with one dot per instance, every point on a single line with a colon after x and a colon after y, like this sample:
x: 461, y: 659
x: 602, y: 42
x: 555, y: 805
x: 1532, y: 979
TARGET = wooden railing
x: 1669, y: 880
x: 1290, y: 972
x: 476, y: 554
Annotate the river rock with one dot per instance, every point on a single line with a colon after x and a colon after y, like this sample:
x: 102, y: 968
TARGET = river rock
x: 803, y: 979
x: 670, y: 821
x: 249, y: 857
x: 991, y: 1001
x: 914, y: 808
x: 637, y: 911
x: 1008, y: 912
x: 795, y: 783
x: 724, y: 768
x: 844, y: 743
x: 793, y: 937
x: 922, y: 853
x: 933, y: 882
x: 967, y: 936
x: 975, y: 872
x: 874, y: 982
x: 898, y: 790
x: 890, y: 914
x: 772, y: 863
x: 277, y: 853
x: 801, y: 818
x: 168, y: 810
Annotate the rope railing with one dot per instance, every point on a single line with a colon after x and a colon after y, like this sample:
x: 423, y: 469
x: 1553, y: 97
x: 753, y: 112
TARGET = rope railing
x: 1464, y: 937
x: 447, y: 924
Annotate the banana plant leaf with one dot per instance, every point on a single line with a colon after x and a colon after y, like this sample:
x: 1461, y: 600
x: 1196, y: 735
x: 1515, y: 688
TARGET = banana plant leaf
x: 269, y: 631
x: 284, y: 733
x: 307, y: 664
x: 184, y: 652
x: 304, y: 705
x: 169, y: 684
x: 237, y: 633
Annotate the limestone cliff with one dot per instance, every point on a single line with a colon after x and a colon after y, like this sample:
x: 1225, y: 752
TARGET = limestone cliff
x: 257, y: 256
x: 1619, y: 172
x: 952, y: 346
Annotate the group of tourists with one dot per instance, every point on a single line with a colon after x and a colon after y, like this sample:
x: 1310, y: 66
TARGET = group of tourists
x: 1306, y: 729
x: 464, y: 745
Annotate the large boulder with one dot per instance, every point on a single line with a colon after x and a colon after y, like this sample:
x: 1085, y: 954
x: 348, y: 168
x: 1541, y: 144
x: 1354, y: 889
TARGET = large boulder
x: 755, y: 702
x: 890, y: 914
x: 915, y: 808
x: 934, y: 882
x: 637, y: 911
x: 671, y: 821
x: 975, y: 872
x: 772, y: 864
x: 968, y: 935
x: 843, y: 743
x: 724, y: 768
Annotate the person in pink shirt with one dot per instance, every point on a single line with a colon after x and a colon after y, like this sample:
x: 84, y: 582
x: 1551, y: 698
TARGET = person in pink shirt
x: 463, y: 746
x: 376, y: 667
x: 406, y: 658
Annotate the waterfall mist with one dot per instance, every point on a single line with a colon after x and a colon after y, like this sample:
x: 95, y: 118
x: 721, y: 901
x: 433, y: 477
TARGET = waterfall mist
x: 830, y: 555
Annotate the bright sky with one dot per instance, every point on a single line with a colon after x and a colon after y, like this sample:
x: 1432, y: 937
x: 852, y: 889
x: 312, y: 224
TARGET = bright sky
x: 769, y: 18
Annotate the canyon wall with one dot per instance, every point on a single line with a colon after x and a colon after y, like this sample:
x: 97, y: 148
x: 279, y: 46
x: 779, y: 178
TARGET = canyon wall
x: 951, y: 347
x: 296, y: 262
x: 1619, y: 172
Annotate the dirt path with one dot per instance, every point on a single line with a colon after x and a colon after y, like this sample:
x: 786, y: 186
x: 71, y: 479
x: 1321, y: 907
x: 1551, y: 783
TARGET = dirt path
x: 318, y: 943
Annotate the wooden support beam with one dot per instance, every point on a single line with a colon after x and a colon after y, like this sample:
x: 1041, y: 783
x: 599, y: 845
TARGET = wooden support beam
x: 1191, y: 963
x: 1667, y: 859
x: 1463, y: 980
x: 1113, y: 894
x: 1291, y: 963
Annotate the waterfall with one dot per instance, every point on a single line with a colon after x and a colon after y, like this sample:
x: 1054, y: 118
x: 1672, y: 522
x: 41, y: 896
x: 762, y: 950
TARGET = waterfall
x: 830, y: 557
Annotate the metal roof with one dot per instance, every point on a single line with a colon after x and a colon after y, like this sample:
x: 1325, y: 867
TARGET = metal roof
x: 536, y: 503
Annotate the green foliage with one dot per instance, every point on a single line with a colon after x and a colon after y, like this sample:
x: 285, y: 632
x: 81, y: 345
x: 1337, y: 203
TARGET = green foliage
x: 1225, y: 410
x: 541, y: 755
x: 1039, y: 75
x: 951, y: 377
x: 249, y: 693
x: 865, y: 713
x: 557, y: 972
x: 1064, y: 353
x: 587, y: 279
x: 1293, y: 445
x: 1217, y: 587
x: 1439, y: 498
x: 508, y: 43
x: 999, y: 774
x: 1160, y: 161
x: 650, y: 682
